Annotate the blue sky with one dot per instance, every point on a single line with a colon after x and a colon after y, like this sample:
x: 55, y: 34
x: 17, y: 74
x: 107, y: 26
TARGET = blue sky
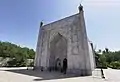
x: 19, y: 20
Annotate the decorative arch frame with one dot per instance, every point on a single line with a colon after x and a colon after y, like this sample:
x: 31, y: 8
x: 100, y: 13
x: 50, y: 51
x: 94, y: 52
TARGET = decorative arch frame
x: 56, y: 38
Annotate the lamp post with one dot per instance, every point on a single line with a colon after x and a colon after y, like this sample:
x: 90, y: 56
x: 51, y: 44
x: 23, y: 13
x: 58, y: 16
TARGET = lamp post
x: 99, y: 60
x: 101, y: 66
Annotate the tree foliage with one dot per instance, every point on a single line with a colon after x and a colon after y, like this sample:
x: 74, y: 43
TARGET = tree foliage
x: 108, y: 59
x: 17, y: 54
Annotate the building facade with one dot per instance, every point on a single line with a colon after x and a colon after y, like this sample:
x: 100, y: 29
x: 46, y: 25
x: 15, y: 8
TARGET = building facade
x: 65, y: 38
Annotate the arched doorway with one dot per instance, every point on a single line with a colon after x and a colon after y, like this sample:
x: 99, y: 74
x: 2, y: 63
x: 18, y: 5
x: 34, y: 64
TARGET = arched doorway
x: 64, y: 68
x: 58, y: 65
x: 58, y: 51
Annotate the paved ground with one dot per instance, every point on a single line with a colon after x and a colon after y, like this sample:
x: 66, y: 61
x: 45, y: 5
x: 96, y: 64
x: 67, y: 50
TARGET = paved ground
x: 23, y: 75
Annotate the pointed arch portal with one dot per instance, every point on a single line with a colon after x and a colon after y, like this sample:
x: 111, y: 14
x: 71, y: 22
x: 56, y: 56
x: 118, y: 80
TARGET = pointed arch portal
x: 58, y: 50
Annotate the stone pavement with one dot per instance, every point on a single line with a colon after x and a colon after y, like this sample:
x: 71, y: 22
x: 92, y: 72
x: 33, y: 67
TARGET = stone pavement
x: 23, y: 75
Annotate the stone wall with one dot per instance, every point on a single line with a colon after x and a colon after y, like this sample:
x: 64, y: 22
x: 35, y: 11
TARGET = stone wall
x: 73, y: 30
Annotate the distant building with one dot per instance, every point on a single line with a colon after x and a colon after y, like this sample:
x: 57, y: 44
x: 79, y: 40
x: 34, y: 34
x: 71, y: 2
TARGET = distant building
x: 65, y: 38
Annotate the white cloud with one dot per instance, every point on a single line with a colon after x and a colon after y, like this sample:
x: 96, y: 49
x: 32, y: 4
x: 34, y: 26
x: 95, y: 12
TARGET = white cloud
x: 101, y: 3
x: 103, y: 16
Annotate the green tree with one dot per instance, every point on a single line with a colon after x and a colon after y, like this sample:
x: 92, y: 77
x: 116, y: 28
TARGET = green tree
x: 17, y: 54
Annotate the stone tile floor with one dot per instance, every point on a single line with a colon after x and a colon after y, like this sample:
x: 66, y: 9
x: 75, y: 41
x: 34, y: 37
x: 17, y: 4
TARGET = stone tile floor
x: 23, y: 75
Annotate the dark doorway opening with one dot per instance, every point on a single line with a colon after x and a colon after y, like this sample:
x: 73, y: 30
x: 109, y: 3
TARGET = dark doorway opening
x: 64, y: 65
x: 58, y: 66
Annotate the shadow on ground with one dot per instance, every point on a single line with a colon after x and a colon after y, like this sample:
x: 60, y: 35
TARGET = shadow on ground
x: 45, y: 75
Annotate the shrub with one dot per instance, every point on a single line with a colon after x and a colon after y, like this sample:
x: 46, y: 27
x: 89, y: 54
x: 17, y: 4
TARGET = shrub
x: 115, y: 65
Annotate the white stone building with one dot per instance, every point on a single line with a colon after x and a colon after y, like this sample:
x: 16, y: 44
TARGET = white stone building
x: 65, y: 38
